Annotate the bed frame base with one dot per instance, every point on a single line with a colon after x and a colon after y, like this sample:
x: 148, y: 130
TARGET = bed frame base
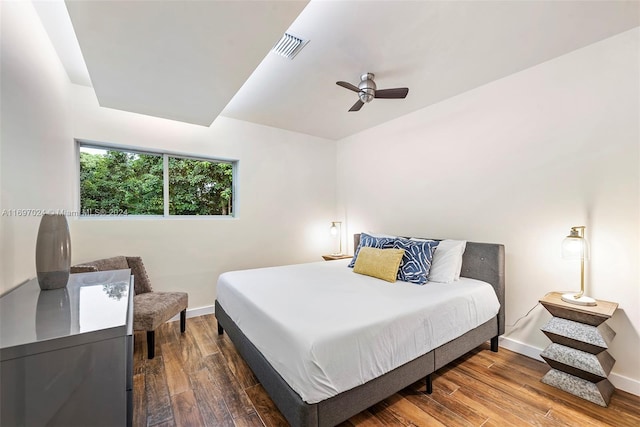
x: 339, y: 408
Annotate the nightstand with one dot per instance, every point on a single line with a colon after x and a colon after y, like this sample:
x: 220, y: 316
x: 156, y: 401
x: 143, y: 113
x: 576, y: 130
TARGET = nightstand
x: 335, y: 257
x: 578, y: 353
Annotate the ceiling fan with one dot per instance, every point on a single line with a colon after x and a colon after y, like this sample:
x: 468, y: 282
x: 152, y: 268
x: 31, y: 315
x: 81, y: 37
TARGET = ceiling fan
x: 367, y: 90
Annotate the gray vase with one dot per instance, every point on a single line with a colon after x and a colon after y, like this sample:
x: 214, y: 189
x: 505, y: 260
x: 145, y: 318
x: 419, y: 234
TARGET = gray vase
x: 53, y: 252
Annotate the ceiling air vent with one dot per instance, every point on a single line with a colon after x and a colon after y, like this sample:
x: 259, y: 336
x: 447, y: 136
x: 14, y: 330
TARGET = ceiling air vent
x: 289, y: 46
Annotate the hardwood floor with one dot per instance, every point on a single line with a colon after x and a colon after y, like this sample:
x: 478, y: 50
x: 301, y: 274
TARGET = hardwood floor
x: 198, y: 379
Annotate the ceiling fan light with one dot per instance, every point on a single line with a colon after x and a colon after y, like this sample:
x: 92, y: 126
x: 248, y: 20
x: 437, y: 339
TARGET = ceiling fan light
x: 366, y: 95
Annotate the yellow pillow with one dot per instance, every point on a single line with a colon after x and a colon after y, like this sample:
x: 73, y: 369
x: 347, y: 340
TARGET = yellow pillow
x: 380, y: 263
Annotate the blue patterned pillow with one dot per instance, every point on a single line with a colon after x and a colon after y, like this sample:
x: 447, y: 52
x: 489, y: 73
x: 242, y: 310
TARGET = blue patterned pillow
x: 416, y: 261
x: 372, y: 242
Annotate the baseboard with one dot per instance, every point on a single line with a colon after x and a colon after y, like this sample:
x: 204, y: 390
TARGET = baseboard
x: 195, y: 312
x: 619, y: 381
x: 521, y: 348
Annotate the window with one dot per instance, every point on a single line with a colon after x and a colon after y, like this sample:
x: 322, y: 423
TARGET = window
x: 115, y: 181
x: 200, y: 187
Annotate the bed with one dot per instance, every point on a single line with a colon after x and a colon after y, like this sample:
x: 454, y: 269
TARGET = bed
x: 332, y: 396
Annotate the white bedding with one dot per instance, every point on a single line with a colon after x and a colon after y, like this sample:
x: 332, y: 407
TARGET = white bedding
x: 326, y: 329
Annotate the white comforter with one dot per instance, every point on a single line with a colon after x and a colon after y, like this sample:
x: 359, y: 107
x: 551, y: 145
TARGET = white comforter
x: 326, y: 329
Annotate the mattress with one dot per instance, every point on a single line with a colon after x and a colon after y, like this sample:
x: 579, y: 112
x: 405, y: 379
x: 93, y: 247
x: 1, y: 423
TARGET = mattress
x: 326, y: 329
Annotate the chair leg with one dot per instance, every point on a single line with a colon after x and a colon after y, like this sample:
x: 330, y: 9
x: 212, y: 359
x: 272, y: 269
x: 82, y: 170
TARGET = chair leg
x: 183, y: 320
x: 151, y: 344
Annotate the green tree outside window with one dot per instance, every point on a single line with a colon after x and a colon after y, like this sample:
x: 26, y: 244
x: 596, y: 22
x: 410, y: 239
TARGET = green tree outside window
x: 118, y: 181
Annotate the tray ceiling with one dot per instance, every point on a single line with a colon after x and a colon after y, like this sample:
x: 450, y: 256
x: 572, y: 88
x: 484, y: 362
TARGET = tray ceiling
x: 192, y: 61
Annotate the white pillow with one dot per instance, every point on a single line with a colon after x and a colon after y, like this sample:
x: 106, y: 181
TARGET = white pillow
x: 447, y: 261
x: 382, y: 235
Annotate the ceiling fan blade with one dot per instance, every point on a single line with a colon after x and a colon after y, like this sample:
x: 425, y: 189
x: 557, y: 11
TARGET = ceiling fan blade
x: 396, y: 93
x: 357, y: 106
x: 349, y: 86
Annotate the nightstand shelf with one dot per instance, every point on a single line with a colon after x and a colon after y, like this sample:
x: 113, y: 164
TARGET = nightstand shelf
x: 578, y: 353
x: 335, y: 257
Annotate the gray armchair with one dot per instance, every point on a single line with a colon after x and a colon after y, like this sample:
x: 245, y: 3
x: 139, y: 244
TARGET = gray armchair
x: 150, y: 308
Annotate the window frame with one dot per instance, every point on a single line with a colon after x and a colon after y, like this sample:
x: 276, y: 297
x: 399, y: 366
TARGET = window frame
x: 165, y: 154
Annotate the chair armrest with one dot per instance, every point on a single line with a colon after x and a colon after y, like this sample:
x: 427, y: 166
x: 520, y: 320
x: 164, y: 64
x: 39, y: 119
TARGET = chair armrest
x: 83, y: 269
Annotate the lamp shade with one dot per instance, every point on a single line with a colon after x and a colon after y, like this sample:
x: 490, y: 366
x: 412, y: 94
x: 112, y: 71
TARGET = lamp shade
x: 336, y: 232
x: 575, y: 246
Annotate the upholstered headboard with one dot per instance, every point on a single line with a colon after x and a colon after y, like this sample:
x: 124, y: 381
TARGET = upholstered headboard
x: 482, y: 261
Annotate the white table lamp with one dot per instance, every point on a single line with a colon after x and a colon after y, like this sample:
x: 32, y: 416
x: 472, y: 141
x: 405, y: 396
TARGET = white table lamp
x: 336, y: 230
x: 575, y: 246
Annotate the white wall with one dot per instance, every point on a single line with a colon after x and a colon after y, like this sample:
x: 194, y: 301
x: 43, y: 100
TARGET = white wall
x: 519, y: 161
x: 285, y: 200
x: 36, y: 159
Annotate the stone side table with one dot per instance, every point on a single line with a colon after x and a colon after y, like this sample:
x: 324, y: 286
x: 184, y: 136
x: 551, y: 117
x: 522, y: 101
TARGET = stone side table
x: 578, y: 353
